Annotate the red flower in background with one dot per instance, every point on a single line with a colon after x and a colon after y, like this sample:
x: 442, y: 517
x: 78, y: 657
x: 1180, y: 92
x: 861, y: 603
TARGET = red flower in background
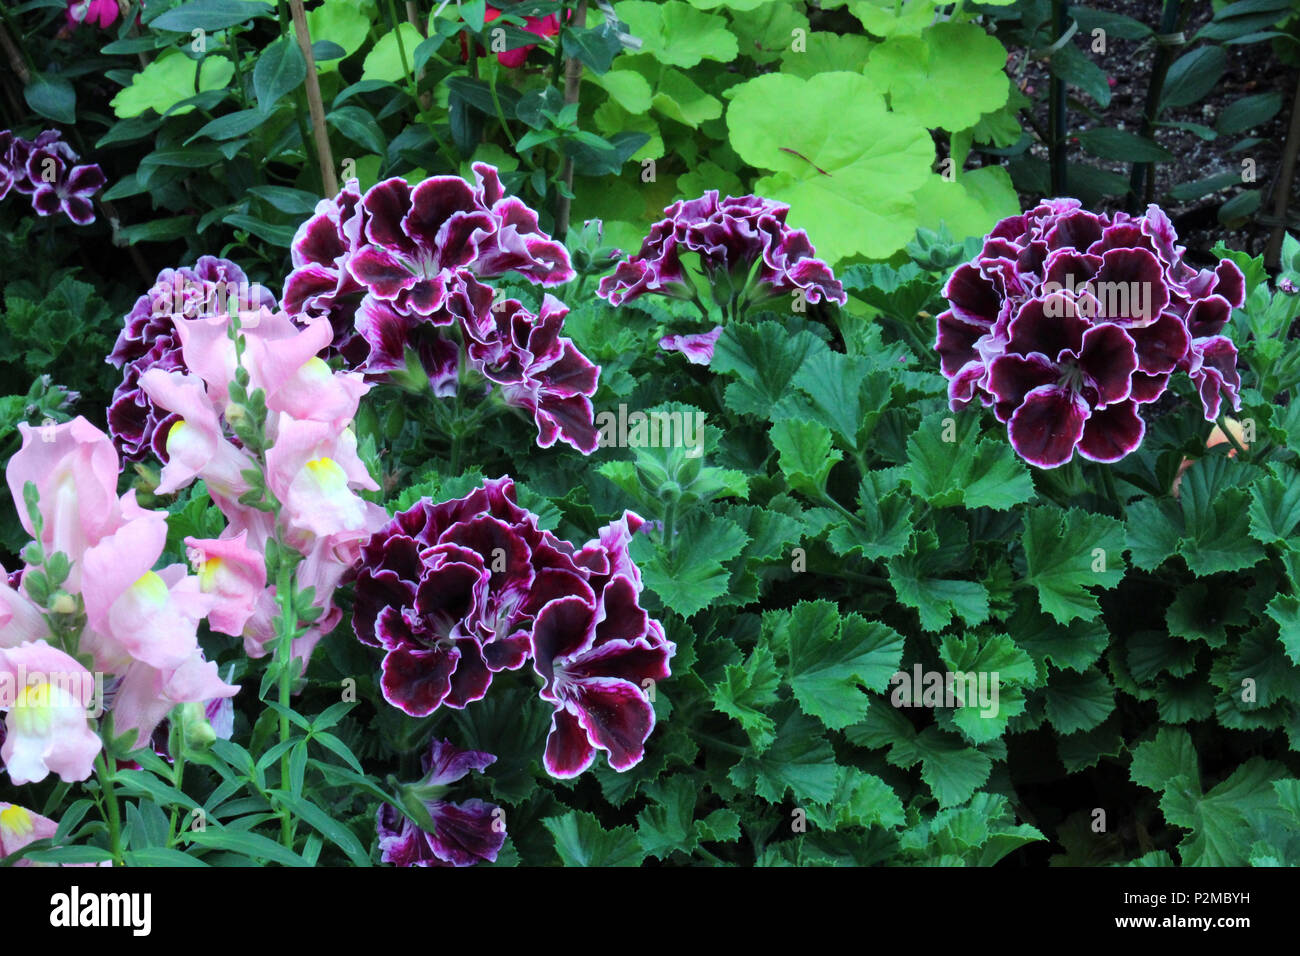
x: 513, y: 59
x: 103, y: 13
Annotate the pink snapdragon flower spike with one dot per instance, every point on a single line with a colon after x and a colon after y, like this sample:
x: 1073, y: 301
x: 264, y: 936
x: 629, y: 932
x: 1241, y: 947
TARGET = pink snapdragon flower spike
x: 1067, y: 321
x: 742, y: 242
x: 149, y: 339
x: 463, y: 833
x: 598, y: 659
x: 697, y: 348
x: 47, y: 695
x: 195, y: 443
x: 147, y: 694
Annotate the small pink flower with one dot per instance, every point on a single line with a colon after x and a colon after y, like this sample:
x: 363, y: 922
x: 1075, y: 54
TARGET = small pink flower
x: 195, y: 443
x: 19, y: 827
x: 101, y: 13
x: 147, y: 694
x: 234, y: 574
x: 47, y: 694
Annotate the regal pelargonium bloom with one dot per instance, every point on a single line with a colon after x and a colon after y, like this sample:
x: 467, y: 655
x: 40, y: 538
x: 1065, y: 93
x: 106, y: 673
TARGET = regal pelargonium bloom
x: 463, y: 834
x: 742, y: 242
x: 149, y: 340
x: 598, y: 657
x: 1067, y: 321
x: 697, y: 348
x: 379, y: 264
x: 449, y: 591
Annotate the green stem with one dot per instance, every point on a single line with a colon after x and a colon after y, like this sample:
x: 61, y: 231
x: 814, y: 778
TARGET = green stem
x: 287, y: 624
x: 110, y: 798
x: 670, y: 518
x: 501, y: 114
x: 1108, y: 486
x: 1222, y: 422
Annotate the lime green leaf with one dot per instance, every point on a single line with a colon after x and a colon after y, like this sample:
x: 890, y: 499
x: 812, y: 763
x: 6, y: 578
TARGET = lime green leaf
x: 628, y: 88
x: 1068, y: 552
x: 676, y: 33
x: 845, y: 164
x: 947, y: 77
x: 168, y: 80
x: 825, y: 52
x: 677, y: 97
x: 580, y: 840
x: 384, y: 61
x: 341, y: 22
x: 969, y: 205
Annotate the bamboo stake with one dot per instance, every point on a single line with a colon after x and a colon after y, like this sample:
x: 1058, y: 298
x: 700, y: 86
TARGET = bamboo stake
x: 324, y: 154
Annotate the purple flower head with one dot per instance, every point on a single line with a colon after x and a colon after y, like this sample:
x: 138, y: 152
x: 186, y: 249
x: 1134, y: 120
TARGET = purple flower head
x: 698, y: 348
x: 45, y: 169
x: 535, y: 367
x: 598, y: 658
x: 383, y: 264
x: 1068, y: 320
x: 149, y: 340
x: 742, y: 242
x: 450, y: 591
x: 455, y: 834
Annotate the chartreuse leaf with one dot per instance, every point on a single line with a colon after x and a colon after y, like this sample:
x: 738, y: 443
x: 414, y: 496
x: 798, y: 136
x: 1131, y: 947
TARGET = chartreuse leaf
x: 950, y: 464
x: 800, y: 760
x: 168, y: 80
x: 887, y: 18
x: 947, y: 77
x: 844, y: 163
x: 341, y: 22
x: 676, y: 33
x: 384, y: 61
x: 580, y: 840
x: 764, y: 359
x: 1067, y: 552
x: 830, y: 659
x: 746, y: 692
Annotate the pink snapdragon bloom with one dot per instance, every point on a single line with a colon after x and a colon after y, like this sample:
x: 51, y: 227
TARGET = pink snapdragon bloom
x: 47, y: 694
x: 234, y: 574
x: 148, y: 694
x: 74, y: 467
x: 19, y: 827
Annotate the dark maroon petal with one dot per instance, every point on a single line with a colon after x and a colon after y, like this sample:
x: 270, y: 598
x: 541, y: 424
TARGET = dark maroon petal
x: 318, y: 241
x: 956, y: 341
x: 504, y: 553
x: 620, y: 618
x: 80, y: 211
x: 458, y: 240
x: 308, y: 284
x: 1131, y: 287
x: 563, y: 628
x: 507, y: 653
x: 617, y: 718
x: 568, y: 751
x: 466, y: 833
x: 401, y: 842
x: 445, y: 763
x: 432, y: 203
x: 1112, y: 432
x: 382, y: 272
x: 86, y: 180
x: 1069, y: 269
x: 1078, y: 230
x: 639, y: 662
x: 1214, y: 373
x: 1208, y: 316
x: 45, y: 200
x: 418, y: 681
x: 1109, y: 359
x: 1012, y: 377
x: 1049, y: 326
x: 427, y: 297
x: 1147, y: 388
x: 971, y: 296
x: 571, y: 420
x: 1047, y: 426
x: 1162, y: 346
x: 386, y: 331
x: 386, y: 205
x: 1231, y: 283
x: 472, y: 677
x: 967, y: 384
x: 377, y: 589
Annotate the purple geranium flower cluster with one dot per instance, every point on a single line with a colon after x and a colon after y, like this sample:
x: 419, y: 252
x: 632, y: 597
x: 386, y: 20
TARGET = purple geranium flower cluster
x: 149, y: 340
x: 397, y: 272
x: 461, y: 834
x: 1067, y: 321
x: 458, y: 591
x: 746, y: 251
x: 45, y: 168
